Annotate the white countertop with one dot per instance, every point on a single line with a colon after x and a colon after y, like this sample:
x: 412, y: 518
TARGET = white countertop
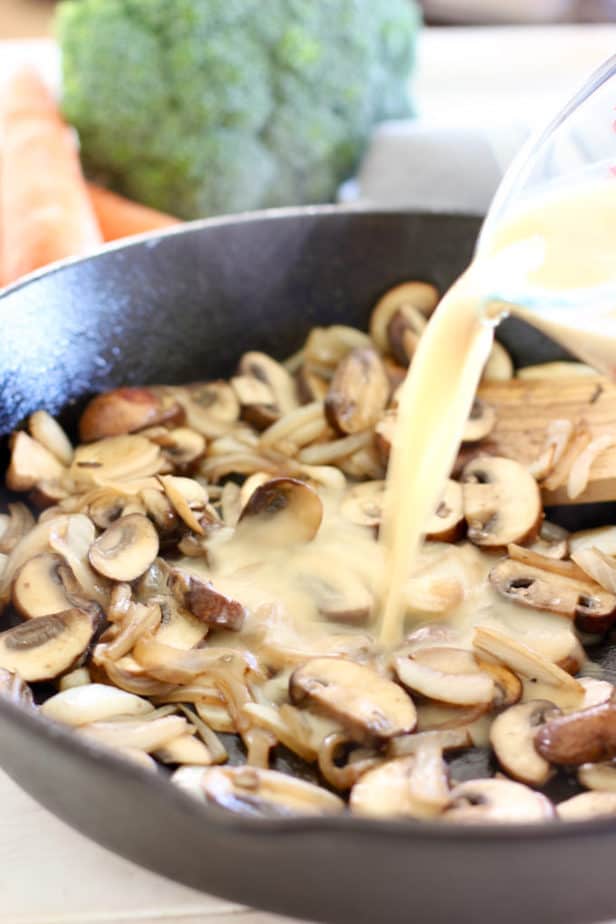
x: 49, y: 874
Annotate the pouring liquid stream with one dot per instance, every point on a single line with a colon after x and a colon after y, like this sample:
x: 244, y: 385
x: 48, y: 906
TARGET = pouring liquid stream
x: 557, y: 270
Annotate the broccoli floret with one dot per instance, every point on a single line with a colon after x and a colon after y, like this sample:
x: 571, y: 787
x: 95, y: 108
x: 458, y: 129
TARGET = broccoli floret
x: 205, y: 106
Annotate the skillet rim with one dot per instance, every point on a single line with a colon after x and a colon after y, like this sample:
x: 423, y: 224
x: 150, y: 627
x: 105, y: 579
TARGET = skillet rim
x: 66, y: 740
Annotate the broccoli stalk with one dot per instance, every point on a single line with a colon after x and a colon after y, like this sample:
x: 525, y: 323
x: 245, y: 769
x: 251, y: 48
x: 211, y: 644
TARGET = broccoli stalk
x: 198, y: 107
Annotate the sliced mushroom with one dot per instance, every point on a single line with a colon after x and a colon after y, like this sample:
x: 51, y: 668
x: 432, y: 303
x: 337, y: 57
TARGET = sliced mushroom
x: 551, y: 541
x: 126, y: 410
x: 499, y: 366
x: 253, y: 791
x: 206, y: 603
x: 13, y: 688
x: 480, y: 422
x: 310, y: 385
x: 281, y: 512
x: 367, y: 705
x: 496, y: 800
x: 31, y: 463
x: 272, y: 391
x: 358, y: 392
x: 326, y: 347
x: 114, y: 459
x: 182, y: 447
x: 340, y: 597
x: 449, y: 675
x: 420, y: 295
x: 38, y: 589
x: 447, y: 523
x: 596, y: 691
x: 587, y: 805
x: 186, y: 749
x: 126, y: 549
x: 179, y: 628
x: 106, y: 505
x: 587, y: 736
x: 95, y: 702
x: 363, y: 503
x: 601, y: 777
x: 502, y: 502
x: 387, y: 792
x: 404, y: 329
x: 44, y: 648
x: 528, y: 663
x: 14, y: 525
x: 48, y: 433
x: 188, y: 498
x: 593, y: 608
x: 512, y: 736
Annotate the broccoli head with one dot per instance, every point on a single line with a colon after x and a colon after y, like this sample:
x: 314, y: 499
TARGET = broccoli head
x: 204, y: 106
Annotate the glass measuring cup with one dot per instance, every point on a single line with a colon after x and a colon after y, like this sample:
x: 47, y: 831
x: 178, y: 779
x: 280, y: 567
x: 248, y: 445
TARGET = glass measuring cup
x: 547, y: 248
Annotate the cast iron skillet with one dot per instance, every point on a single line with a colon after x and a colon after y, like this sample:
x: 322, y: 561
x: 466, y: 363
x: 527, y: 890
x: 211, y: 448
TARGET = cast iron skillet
x: 184, y: 306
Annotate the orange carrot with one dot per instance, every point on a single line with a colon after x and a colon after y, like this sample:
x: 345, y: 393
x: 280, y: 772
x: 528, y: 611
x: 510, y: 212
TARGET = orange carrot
x: 120, y: 217
x: 45, y: 211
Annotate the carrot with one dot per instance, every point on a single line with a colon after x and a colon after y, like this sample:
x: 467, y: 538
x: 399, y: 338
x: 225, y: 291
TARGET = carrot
x: 119, y: 217
x: 45, y: 211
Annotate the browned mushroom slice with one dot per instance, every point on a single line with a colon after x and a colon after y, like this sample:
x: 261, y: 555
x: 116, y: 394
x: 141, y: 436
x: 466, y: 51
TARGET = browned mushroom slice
x: 449, y: 675
x: 44, y: 648
x: 489, y: 801
x: 512, y: 736
x: 363, y: 503
x: 368, y: 705
x: 593, y: 608
x: 420, y: 295
x: 38, y: 589
x: 126, y: 549
x: 281, y: 511
x: 12, y: 687
x: 502, y: 502
x: 358, y: 392
x: 254, y: 791
x: 266, y: 390
x: 206, y: 603
x: 386, y: 792
x: 447, y: 523
x: 587, y: 736
x: 31, y: 464
x: 404, y: 329
x: 326, y: 347
x: 211, y: 408
x: 480, y: 422
x: 181, y: 446
x: 94, y: 702
x: 457, y: 664
x: 48, y: 433
x: 126, y: 410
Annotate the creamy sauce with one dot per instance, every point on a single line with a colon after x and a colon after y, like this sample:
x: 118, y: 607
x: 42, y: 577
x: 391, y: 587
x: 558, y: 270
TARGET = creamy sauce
x: 548, y: 251
x: 394, y: 585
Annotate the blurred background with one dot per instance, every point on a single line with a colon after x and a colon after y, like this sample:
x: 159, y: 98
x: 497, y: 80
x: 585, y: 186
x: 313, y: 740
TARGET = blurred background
x: 20, y: 18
